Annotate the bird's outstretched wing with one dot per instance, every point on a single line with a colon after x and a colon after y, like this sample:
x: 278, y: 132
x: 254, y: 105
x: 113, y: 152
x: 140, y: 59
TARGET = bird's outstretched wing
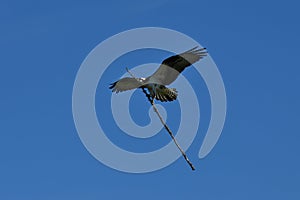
x: 125, y: 84
x: 171, y: 67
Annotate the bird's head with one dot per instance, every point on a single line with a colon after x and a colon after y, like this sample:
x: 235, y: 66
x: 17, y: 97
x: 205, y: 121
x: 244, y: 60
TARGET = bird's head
x: 142, y: 80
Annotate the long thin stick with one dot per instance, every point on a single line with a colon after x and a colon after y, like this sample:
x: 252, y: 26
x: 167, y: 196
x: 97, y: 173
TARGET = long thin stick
x: 151, y: 100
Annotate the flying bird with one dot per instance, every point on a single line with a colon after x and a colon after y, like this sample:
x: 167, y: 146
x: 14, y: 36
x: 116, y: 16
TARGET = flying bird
x: 167, y: 73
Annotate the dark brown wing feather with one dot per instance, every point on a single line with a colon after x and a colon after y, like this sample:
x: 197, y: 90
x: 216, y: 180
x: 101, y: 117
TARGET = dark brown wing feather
x: 171, y: 67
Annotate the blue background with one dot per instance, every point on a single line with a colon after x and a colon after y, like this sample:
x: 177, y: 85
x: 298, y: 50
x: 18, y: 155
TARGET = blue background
x: 255, y: 45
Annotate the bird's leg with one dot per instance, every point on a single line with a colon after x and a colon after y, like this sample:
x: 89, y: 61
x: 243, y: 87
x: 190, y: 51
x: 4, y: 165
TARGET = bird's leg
x: 152, y: 100
x: 148, y: 95
x: 153, y: 92
x: 151, y: 96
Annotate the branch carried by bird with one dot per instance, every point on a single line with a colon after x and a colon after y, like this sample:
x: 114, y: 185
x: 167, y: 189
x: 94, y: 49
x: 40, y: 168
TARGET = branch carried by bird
x: 167, y: 73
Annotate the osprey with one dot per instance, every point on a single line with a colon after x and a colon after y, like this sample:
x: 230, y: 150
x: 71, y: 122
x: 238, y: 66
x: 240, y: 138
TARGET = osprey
x: 167, y: 73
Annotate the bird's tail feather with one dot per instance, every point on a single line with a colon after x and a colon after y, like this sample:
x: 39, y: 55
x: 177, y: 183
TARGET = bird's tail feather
x: 166, y: 94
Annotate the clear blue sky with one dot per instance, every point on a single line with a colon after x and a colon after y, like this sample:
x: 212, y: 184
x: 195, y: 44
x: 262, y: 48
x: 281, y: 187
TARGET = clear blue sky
x: 256, y: 47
